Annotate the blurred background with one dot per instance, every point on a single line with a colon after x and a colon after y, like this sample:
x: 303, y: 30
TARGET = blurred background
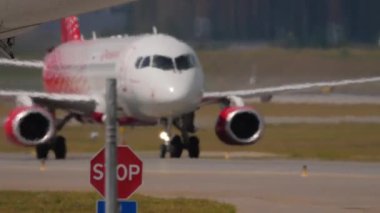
x: 294, y: 23
x: 245, y: 43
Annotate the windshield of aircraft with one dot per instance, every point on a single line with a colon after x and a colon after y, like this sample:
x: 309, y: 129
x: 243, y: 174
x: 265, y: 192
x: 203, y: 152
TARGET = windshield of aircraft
x: 163, y: 62
x: 142, y: 62
x: 183, y: 62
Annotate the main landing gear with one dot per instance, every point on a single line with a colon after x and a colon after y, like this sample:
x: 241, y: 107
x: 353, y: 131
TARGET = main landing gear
x: 6, y: 46
x: 57, y: 144
x: 175, y: 145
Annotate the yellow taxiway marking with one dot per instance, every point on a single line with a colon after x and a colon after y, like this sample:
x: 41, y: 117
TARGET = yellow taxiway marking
x: 227, y: 156
x: 305, y: 171
x: 43, y: 165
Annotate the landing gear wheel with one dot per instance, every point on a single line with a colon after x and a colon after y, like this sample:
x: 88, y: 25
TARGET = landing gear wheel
x: 42, y: 150
x: 59, y: 147
x: 163, y: 150
x: 193, y: 147
x: 176, y: 147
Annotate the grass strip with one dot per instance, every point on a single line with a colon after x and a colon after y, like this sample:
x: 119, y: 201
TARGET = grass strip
x: 347, y: 141
x: 50, y: 202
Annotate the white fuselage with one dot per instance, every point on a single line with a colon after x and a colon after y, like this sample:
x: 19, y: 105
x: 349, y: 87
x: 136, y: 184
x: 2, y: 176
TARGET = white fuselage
x: 158, y: 76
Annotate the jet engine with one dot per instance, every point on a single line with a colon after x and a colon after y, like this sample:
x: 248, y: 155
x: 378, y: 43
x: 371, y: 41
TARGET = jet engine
x: 239, y: 126
x: 29, y: 126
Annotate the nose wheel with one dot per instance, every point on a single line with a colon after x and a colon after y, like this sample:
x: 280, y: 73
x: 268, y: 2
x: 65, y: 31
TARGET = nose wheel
x: 163, y: 150
x: 186, y: 140
x: 177, y: 144
x: 174, y: 147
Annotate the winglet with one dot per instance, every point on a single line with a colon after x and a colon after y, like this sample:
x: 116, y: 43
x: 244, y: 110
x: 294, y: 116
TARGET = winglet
x: 70, y: 29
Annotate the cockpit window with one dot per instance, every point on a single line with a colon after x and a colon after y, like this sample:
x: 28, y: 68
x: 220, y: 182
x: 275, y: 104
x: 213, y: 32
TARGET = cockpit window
x: 182, y: 62
x: 145, y: 62
x: 138, y: 61
x: 185, y: 62
x: 163, y: 62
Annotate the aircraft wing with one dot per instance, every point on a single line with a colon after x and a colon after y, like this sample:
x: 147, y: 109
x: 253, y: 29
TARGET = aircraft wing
x: 22, y: 63
x: 217, y: 96
x: 82, y: 104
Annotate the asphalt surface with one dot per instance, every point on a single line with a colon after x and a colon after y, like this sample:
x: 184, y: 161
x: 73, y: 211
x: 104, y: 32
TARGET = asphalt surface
x: 322, y: 120
x: 333, y: 98
x: 253, y: 185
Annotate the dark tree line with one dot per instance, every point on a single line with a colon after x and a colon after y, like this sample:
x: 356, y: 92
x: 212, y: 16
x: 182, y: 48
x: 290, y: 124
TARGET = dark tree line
x: 299, y: 22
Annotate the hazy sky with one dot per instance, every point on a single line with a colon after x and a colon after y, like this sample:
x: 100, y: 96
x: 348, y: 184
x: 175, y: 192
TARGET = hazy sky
x: 48, y: 34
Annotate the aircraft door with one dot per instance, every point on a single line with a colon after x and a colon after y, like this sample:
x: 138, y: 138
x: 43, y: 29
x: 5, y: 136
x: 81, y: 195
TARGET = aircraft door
x: 125, y: 72
x: 125, y: 88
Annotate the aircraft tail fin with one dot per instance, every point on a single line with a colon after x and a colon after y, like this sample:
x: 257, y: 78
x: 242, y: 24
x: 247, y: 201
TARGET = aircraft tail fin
x: 70, y: 29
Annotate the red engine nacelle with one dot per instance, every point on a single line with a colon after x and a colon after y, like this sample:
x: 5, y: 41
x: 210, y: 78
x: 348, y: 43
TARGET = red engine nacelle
x: 239, y: 126
x: 29, y: 126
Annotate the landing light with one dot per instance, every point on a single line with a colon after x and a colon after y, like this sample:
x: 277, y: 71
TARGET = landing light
x: 171, y: 89
x: 94, y: 135
x: 164, y: 136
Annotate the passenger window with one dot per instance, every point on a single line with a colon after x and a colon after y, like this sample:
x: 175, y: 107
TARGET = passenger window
x: 163, y: 62
x: 145, y: 62
x: 138, y: 61
x: 185, y: 62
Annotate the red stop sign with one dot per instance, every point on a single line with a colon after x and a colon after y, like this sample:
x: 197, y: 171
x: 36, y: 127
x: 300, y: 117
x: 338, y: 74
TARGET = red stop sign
x: 129, y: 172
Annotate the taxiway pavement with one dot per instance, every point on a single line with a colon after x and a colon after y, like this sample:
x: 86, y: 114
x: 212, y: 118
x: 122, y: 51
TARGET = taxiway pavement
x: 253, y: 185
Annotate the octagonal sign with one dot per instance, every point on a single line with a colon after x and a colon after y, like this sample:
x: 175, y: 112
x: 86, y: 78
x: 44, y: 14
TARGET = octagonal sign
x: 129, y: 172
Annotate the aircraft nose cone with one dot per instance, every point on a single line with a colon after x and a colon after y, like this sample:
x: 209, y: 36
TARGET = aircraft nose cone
x: 178, y: 99
x: 171, y: 90
x: 176, y: 94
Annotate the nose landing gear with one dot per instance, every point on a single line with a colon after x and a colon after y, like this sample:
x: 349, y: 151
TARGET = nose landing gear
x: 173, y: 146
x: 176, y: 144
x: 176, y: 147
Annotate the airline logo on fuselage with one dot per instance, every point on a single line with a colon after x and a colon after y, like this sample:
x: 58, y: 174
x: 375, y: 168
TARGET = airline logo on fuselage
x: 109, y: 55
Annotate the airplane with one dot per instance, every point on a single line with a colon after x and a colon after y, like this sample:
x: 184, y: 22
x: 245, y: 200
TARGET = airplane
x: 160, y: 82
x: 18, y: 16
